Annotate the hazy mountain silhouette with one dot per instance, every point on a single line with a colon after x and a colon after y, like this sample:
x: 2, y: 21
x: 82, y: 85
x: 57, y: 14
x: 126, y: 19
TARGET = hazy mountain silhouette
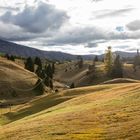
x: 24, y: 51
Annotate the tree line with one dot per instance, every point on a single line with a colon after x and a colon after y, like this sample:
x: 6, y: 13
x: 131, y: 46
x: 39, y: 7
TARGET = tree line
x: 44, y: 72
x: 113, y: 67
x: 113, y: 64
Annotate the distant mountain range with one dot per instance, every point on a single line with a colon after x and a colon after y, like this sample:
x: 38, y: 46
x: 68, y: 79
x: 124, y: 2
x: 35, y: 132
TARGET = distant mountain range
x: 24, y: 51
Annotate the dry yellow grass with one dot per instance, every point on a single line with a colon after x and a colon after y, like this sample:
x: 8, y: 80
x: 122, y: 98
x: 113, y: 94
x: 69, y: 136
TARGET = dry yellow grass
x: 15, y: 79
x: 105, y: 112
x: 80, y: 77
x: 130, y: 73
x: 121, y: 80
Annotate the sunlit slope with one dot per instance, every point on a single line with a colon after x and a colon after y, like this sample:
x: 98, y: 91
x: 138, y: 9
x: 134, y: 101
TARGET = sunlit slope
x: 104, y: 112
x: 14, y: 78
x: 68, y: 73
x: 130, y: 73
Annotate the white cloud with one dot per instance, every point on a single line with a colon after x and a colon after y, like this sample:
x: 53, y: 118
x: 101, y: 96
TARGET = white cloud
x: 43, y: 17
x: 82, y: 26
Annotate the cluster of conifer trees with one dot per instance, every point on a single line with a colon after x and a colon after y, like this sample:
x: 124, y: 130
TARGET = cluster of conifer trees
x: 44, y: 72
x: 113, y: 68
x: 10, y: 57
x: 113, y: 64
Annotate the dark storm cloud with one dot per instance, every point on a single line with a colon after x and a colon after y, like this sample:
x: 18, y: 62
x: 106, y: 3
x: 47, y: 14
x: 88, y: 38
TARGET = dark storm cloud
x: 12, y: 32
x: 37, y: 20
x: 42, y: 23
x: 87, y: 36
x: 90, y: 36
x: 112, y: 13
x: 134, y: 25
x: 77, y: 36
x: 16, y: 35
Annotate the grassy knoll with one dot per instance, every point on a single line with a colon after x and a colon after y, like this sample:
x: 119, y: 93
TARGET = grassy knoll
x: 104, y: 112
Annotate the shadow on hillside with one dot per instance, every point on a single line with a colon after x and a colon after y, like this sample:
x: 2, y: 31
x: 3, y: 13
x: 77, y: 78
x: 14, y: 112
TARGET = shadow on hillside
x: 36, y: 107
x: 50, y: 101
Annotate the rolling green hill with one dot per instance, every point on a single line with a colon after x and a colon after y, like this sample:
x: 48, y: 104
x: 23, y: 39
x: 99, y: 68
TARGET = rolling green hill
x: 103, y: 112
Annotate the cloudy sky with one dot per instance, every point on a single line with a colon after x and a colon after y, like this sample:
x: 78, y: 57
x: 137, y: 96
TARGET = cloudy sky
x: 73, y: 26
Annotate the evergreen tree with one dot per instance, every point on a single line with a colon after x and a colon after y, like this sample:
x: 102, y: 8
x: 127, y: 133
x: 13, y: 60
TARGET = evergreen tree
x: 29, y: 64
x: 38, y: 71
x: 136, y: 60
x: 43, y: 74
x: 80, y: 62
x: 38, y: 62
x: 72, y: 85
x: 48, y: 71
x: 40, y: 87
x: 51, y: 84
x: 7, y: 56
x: 53, y: 68
x: 12, y: 58
x: 96, y: 59
x: 108, y: 59
x: 47, y: 81
x: 92, y: 70
x: 117, y: 69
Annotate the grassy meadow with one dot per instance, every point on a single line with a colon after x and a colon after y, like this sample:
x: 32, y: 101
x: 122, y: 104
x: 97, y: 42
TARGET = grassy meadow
x: 97, y: 112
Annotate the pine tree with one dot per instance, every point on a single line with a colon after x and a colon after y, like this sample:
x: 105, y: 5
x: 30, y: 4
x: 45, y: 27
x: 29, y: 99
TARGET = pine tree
x: 72, y: 85
x: 7, y: 56
x: 43, y: 74
x: 29, y: 64
x: 92, y: 70
x: 40, y: 87
x: 38, y: 71
x: 12, y: 58
x: 108, y: 59
x: 49, y: 71
x: 80, y: 62
x: 96, y: 59
x: 117, y: 69
x: 47, y: 81
x: 51, y: 84
x: 38, y: 62
x: 53, y: 68
x: 136, y: 60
